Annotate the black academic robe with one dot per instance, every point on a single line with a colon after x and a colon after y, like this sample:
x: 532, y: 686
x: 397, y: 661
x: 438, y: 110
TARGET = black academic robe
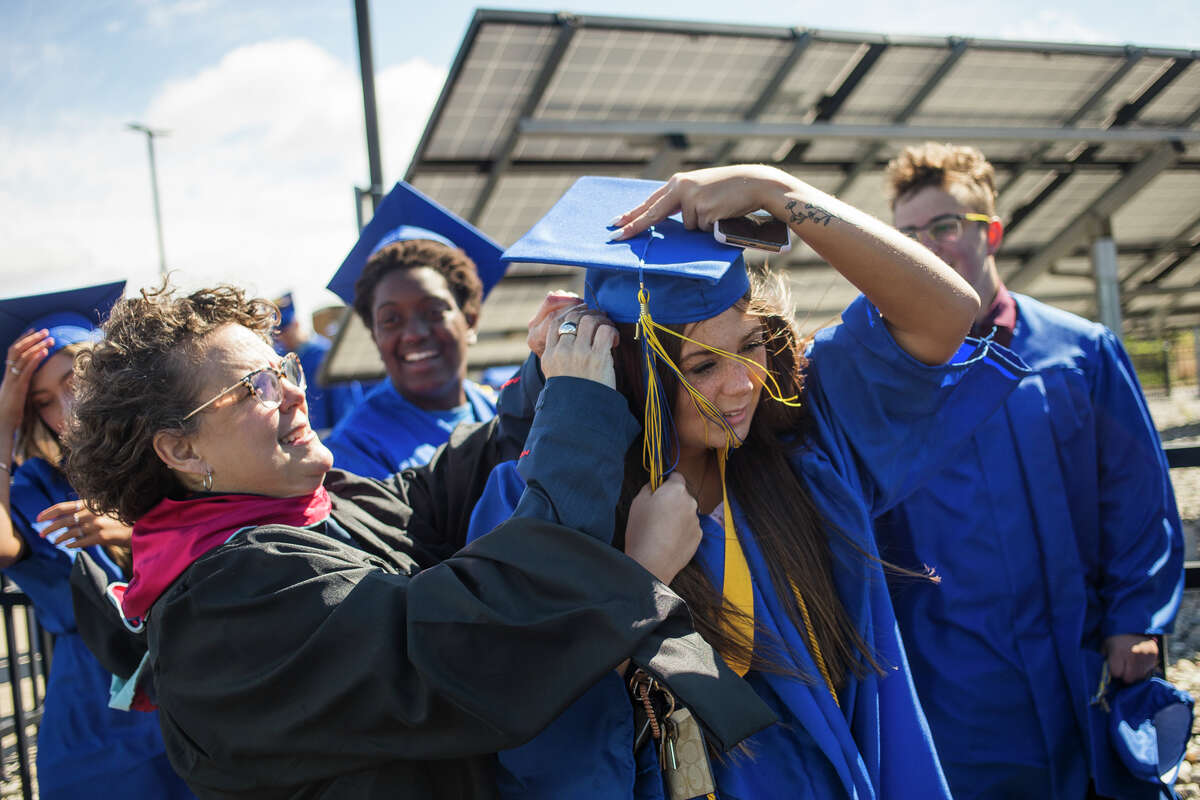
x: 366, y: 659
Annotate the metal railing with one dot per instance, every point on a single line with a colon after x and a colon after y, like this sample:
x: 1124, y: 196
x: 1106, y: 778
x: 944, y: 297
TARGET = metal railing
x: 26, y: 670
x: 1178, y: 457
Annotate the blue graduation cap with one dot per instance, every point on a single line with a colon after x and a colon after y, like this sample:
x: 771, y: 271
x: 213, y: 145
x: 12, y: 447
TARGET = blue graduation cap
x: 71, y: 316
x: 1150, y: 725
x: 687, y: 275
x: 287, y: 310
x: 407, y: 214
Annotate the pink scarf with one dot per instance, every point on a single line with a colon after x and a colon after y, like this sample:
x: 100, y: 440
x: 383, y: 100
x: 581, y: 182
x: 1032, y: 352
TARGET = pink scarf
x: 168, y: 539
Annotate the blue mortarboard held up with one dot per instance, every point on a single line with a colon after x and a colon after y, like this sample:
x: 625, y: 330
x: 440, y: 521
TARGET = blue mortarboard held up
x: 666, y: 275
x: 71, y: 316
x: 688, y: 275
x: 407, y: 214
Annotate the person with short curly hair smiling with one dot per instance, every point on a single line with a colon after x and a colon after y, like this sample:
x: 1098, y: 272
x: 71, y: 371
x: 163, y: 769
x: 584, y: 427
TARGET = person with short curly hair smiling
x: 311, y: 632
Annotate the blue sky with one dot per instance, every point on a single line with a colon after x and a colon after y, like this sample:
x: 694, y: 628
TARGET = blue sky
x: 263, y: 106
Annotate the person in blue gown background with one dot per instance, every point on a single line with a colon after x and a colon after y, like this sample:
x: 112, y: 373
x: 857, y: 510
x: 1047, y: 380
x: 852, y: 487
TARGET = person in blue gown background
x: 417, y: 278
x: 786, y: 582
x: 327, y: 405
x: 84, y: 747
x: 1054, y: 528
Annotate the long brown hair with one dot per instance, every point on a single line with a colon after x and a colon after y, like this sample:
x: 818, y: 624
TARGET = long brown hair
x: 785, y: 523
x: 34, y: 437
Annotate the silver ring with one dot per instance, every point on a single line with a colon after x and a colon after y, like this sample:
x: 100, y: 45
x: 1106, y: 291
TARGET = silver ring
x: 567, y: 327
x: 75, y: 516
x: 14, y: 370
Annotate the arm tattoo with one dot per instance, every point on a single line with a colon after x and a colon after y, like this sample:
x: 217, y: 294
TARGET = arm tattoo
x: 800, y: 212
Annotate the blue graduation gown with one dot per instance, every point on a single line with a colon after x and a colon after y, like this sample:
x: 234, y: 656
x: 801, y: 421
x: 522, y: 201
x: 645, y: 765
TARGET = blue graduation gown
x: 327, y: 405
x: 1053, y: 527
x: 82, y: 743
x: 385, y: 433
x: 882, y: 423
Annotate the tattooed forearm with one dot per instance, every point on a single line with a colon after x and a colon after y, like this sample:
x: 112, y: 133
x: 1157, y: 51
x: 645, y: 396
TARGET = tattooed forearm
x: 800, y: 212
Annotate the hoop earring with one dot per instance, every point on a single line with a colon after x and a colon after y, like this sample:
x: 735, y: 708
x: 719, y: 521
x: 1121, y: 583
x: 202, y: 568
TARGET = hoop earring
x: 207, y: 485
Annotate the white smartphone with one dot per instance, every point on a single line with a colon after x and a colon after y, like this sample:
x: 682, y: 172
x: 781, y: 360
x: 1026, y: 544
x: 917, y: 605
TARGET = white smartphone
x: 759, y: 231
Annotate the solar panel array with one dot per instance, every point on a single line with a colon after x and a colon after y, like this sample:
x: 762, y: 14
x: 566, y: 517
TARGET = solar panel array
x: 1082, y: 136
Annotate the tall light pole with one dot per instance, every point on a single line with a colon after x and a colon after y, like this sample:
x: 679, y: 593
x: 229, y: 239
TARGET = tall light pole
x: 366, y: 64
x: 150, y: 134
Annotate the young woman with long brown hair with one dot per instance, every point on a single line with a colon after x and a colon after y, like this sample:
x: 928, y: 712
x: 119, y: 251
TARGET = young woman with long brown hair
x: 82, y: 742
x: 789, y: 455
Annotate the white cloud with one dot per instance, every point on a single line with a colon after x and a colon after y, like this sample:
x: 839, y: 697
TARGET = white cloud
x: 256, y: 176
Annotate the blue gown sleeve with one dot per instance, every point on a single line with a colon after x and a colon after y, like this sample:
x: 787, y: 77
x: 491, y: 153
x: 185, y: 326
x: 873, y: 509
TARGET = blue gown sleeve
x: 569, y: 472
x: 44, y: 570
x: 1141, y: 537
x: 888, y: 421
x: 517, y: 399
x: 574, y: 457
x: 500, y: 496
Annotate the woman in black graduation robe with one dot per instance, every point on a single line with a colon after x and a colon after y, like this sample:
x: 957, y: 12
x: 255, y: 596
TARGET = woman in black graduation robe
x: 339, y: 655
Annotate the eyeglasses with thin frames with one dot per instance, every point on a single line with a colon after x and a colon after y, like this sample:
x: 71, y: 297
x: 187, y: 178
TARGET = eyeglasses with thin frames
x: 944, y: 229
x: 264, y: 384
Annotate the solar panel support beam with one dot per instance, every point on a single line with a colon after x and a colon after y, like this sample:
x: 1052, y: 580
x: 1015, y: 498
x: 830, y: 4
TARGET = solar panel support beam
x: 1108, y: 288
x: 1132, y: 57
x: 1178, y: 245
x: 867, y: 159
x: 1082, y: 227
x: 704, y: 129
x: 668, y: 160
x: 767, y: 95
x: 568, y: 26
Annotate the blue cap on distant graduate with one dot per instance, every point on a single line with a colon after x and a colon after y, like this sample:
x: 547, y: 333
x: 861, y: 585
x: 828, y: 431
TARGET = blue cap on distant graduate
x: 406, y: 214
x: 71, y: 316
x: 688, y: 275
x: 287, y: 310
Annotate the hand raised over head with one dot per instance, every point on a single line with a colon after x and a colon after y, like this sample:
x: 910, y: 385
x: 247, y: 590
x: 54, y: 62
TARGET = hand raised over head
x: 704, y: 196
x: 22, y: 360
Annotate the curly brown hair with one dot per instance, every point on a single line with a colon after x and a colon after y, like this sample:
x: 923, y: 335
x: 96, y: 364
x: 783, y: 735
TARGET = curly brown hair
x: 947, y: 167
x: 141, y: 378
x: 451, y: 263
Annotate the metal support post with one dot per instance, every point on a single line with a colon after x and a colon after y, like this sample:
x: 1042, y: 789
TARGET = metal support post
x: 1108, y: 287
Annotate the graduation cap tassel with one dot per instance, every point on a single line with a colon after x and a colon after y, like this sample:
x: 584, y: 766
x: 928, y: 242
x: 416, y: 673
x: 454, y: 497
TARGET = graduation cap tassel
x: 815, y: 648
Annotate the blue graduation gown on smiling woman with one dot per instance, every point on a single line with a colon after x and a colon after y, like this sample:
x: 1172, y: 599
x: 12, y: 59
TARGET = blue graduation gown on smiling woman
x: 1053, y: 527
x: 84, y: 747
x: 385, y: 433
x: 882, y: 423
